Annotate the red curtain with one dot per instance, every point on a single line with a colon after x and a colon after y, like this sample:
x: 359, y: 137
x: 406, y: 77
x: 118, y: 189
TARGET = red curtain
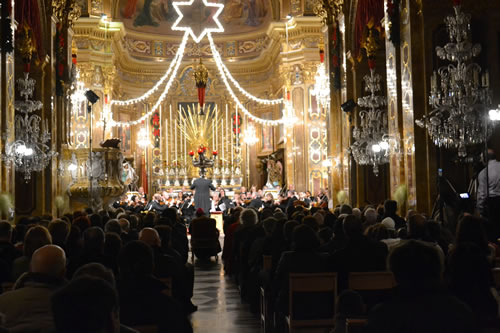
x: 368, y: 11
x: 27, y: 12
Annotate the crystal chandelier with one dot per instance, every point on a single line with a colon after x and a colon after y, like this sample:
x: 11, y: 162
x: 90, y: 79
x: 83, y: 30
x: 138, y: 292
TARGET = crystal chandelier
x: 372, y: 145
x: 460, y: 94
x: 322, y: 86
x: 29, y: 152
x: 250, y: 136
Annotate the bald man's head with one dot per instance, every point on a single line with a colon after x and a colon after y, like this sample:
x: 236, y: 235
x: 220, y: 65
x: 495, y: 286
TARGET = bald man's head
x: 50, y: 260
x: 150, y: 236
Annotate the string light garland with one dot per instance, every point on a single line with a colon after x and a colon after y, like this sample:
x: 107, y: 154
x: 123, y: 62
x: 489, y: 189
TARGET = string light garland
x: 197, y: 38
x: 177, y: 62
x: 180, y: 53
x: 217, y: 58
x: 220, y: 65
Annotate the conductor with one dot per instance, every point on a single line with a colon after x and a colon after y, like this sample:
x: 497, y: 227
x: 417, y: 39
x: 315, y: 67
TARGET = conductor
x: 202, y: 187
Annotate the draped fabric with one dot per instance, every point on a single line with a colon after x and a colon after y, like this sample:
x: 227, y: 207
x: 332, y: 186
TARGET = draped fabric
x: 27, y: 13
x: 369, y: 12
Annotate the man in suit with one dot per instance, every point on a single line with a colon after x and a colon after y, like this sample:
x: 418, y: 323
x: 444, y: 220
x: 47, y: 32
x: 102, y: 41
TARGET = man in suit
x: 202, y: 187
x: 204, y: 235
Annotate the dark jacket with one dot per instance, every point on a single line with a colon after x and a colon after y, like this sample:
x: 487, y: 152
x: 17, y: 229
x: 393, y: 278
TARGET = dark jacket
x: 421, y: 309
x: 143, y: 302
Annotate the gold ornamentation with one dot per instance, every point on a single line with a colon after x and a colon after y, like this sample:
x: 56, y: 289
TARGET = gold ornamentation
x: 67, y: 11
x: 371, y: 44
x: 201, y: 75
x: 26, y: 46
x: 328, y: 10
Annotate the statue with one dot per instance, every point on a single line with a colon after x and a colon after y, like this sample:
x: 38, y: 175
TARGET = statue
x: 274, y: 173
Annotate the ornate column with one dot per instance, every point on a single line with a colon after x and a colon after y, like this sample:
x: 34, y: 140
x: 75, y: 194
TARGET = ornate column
x: 393, y: 78
x: 7, y: 97
x: 413, y: 96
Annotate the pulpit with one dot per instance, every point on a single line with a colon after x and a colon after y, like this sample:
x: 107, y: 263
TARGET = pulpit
x: 101, y: 187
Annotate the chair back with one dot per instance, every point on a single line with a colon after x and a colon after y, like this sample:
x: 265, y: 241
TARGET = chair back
x: 374, y: 287
x: 168, y: 283
x: 267, y: 262
x: 314, y: 285
x: 355, y: 325
x: 371, y: 281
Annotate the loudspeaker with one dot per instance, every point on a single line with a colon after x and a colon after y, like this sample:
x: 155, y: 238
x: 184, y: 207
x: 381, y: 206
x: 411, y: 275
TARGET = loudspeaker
x: 348, y: 106
x: 91, y: 96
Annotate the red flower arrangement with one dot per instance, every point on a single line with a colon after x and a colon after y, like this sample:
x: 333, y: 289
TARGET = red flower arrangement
x: 191, y: 153
x: 214, y: 152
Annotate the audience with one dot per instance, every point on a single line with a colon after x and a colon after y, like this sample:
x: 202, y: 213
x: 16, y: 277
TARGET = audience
x: 36, y: 237
x: 444, y: 283
x: 421, y: 303
x: 27, y: 308
x: 86, y: 305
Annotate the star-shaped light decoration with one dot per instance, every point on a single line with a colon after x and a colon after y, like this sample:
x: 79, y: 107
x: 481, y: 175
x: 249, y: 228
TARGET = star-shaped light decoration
x: 198, y: 17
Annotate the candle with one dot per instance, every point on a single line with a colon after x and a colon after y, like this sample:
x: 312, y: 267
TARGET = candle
x: 213, y: 136
x: 166, y: 142
x: 175, y: 140
x: 227, y: 129
x: 232, y: 144
x: 185, y: 142
x: 222, y: 143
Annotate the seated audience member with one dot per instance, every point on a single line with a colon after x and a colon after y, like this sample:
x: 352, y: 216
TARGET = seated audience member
x: 370, y: 217
x: 470, y: 229
x: 8, y: 252
x: 168, y: 266
x: 227, y: 252
x: 113, y: 226
x: 349, y: 305
x: 204, y: 236
x: 302, y: 259
x: 27, y: 307
x: 420, y: 303
x: 59, y: 230
x: 390, y: 210
x: 179, y: 236
x: 98, y: 271
x: 417, y: 230
x: 35, y: 238
x: 86, y: 305
x: 360, y: 253
x: 143, y: 300
x: 93, y: 250
x: 112, y: 247
x: 469, y: 279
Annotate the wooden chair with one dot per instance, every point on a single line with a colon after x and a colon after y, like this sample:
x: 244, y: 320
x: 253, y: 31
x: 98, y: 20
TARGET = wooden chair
x: 371, y: 281
x: 267, y: 263
x: 266, y: 312
x: 374, y: 287
x: 324, y: 283
x: 496, y: 277
x: 355, y: 325
x: 168, y: 283
x: 146, y: 329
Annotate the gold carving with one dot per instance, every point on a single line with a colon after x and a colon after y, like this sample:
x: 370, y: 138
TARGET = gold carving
x: 67, y: 11
x: 26, y: 45
x: 200, y: 74
x: 328, y: 10
x: 371, y: 44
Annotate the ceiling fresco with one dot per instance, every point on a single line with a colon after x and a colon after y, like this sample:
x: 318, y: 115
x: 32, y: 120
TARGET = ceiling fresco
x: 157, y: 16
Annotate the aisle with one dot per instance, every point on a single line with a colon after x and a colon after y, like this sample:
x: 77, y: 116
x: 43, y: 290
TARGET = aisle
x: 219, y: 306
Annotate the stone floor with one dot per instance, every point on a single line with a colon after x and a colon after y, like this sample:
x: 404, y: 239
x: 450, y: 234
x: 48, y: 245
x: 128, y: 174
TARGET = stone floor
x: 219, y: 305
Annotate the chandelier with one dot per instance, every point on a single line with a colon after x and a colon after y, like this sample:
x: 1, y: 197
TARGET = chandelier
x: 29, y: 152
x: 322, y: 86
x: 250, y: 136
x: 372, y: 144
x: 459, y: 94
x: 143, y: 139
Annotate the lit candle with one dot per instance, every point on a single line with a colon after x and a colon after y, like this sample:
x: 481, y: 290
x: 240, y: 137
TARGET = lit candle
x: 185, y: 142
x: 228, y: 137
x: 222, y: 143
x: 213, y: 137
x: 175, y: 140
x: 232, y: 143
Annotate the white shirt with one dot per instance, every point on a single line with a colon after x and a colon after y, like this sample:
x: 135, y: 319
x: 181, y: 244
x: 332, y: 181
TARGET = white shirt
x: 493, y: 183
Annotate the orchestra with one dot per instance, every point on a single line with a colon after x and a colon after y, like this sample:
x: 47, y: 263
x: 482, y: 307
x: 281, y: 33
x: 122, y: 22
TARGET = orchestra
x: 222, y: 200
